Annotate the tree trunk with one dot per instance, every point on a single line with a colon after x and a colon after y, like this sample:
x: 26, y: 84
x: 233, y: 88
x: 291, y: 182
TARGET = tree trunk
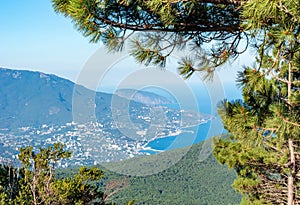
x: 289, y: 83
x: 291, y: 179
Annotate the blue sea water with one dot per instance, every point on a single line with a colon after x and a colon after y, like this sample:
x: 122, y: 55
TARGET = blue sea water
x: 201, y: 132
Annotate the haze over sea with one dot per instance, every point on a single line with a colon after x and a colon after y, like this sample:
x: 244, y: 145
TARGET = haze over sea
x: 193, y: 135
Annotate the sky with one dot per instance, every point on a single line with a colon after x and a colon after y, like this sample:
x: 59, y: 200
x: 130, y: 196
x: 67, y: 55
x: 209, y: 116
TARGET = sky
x: 34, y: 37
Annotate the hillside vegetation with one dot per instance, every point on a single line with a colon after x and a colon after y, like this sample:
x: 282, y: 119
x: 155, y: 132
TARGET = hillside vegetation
x: 190, y: 181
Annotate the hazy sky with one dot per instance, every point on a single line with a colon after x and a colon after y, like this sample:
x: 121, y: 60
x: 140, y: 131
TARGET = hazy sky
x: 34, y: 37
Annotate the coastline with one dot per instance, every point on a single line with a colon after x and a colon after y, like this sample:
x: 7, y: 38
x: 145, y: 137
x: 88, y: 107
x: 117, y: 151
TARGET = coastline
x: 151, y: 147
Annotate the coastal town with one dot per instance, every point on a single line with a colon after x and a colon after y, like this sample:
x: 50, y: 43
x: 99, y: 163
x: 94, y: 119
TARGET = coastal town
x: 97, y: 142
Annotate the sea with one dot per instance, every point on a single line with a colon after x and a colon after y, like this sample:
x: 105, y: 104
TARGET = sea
x: 207, y: 103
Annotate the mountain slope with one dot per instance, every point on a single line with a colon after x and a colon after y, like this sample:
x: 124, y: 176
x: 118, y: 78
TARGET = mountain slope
x: 33, y: 98
x: 145, y: 97
x: 190, y: 181
x: 30, y: 98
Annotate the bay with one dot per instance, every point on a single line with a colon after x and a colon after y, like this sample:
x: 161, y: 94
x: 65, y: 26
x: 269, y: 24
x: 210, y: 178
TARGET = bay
x: 194, y: 135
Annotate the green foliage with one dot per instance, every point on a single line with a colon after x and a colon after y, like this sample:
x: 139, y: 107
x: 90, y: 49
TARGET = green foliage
x: 264, y: 127
x: 160, y: 27
x: 260, y: 128
x: 35, y: 182
x: 190, y: 181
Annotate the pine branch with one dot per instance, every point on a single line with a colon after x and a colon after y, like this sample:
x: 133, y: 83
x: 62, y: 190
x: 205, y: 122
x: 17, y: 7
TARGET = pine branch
x: 159, y: 27
x: 226, y: 2
x: 284, y: 9
x: 287, y: 121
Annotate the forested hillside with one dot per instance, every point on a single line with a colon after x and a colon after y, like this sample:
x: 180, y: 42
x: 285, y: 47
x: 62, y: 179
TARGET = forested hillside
x: 190, y: 181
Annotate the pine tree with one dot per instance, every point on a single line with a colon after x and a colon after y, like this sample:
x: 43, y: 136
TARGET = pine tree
x: 263, y: 129
x: 156, y: 28
x: 36, y: 183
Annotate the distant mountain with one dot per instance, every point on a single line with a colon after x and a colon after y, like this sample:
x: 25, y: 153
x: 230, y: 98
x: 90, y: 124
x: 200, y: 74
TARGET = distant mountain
x: 33, y: 98
x: 39, y: 109
x: 145, y: 97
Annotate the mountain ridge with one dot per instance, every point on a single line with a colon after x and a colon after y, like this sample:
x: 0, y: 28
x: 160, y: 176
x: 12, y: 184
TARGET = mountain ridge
x: 145, y: 97
x: 33, y: 98
x: 38, y: 109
